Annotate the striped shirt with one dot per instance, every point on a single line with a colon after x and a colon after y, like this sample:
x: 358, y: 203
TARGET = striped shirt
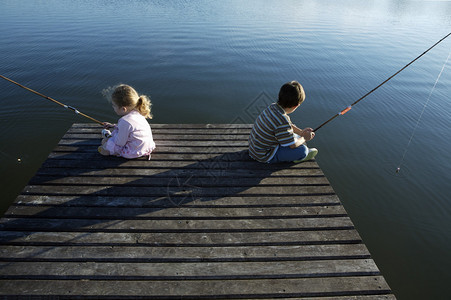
x: 271, y: 130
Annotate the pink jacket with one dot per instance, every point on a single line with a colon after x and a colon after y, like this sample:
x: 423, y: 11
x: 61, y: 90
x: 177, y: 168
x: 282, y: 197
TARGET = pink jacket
x: 132, y: 137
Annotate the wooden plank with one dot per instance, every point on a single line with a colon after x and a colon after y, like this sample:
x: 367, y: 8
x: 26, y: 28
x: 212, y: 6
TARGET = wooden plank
x: 169, y: 137
x: 185, y: 190
x: 137, y: 254
x: 236, y: 202
x: 94, y: 155
x: 200, y: 126
x: 164, y: 181
x: 200, y: 220
x: 174, y: 212
x: 303, y: 287
x: 113, y: 162
x: 161, y: 149
x: 179, y: 173
x: 181, y: 239
x: 157, y: 131
x: 200, y: 144
x: 189, y: 270
x: 49, y: 223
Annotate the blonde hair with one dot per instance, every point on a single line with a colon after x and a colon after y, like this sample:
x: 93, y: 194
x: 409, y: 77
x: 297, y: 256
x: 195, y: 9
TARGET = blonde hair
x: 124, y: 95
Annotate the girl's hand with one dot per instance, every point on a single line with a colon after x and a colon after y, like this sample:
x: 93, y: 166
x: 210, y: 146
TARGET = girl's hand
x: 107, y: 125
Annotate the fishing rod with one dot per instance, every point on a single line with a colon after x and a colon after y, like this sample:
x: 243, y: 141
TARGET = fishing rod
x: 53, y: 100
x: 364, y: 96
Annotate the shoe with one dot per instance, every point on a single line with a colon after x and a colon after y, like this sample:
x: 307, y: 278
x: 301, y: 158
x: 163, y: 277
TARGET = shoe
x: 103, y: 151
x: 312, y: 152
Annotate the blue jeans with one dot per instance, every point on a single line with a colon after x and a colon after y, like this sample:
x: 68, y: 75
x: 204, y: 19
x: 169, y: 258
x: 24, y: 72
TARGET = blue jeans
x: 285, y: 154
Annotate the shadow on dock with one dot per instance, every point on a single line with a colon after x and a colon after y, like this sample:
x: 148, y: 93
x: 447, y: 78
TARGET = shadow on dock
x: 78, y: 191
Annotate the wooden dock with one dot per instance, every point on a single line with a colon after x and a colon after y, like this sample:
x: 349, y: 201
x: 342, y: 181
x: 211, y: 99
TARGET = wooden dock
x: 200, y: 220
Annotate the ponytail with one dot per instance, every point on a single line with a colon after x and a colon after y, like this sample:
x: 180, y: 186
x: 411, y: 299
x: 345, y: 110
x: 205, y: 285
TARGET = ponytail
x: 143, y: 106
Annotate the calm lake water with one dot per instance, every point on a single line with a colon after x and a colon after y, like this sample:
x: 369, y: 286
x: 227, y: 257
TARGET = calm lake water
x: 221, y: 61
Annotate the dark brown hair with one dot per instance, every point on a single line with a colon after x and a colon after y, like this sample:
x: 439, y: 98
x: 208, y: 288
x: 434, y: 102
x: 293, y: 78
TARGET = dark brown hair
x: 291, y: 94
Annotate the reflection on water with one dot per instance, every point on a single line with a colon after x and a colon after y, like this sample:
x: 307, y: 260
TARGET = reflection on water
x: 204, y: 62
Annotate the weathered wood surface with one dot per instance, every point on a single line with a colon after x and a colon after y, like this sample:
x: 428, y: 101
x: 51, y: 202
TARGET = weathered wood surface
x: 199, y: 220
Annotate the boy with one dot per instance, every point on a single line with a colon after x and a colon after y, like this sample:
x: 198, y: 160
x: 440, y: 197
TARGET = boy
x: 274, y: 138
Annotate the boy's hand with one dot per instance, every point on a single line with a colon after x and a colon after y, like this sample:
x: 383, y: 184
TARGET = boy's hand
x: 308, y: 134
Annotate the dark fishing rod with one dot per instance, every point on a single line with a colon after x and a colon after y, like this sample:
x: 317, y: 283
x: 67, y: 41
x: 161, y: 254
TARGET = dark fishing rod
x: 53, y: 100
x: 364, y: 96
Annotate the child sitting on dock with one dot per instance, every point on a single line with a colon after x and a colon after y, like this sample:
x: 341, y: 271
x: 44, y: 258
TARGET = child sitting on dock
x: 132, y: 136
x: 274, y: 138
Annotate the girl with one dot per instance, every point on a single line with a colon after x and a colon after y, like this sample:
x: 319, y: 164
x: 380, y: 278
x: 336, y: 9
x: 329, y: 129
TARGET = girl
x: 132, y: 136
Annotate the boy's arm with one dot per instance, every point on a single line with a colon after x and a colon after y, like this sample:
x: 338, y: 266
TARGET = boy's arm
x: 296, y: 130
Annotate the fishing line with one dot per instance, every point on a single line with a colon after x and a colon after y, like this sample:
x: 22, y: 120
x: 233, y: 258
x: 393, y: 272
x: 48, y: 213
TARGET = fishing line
x: 364, y: 96
x: 76, y: 111
x: 421, y: 114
